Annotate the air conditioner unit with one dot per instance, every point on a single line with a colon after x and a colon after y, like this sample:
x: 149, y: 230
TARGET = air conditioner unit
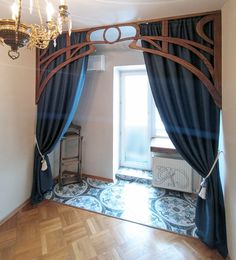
x: 174, y: 174
x: 96, y: 63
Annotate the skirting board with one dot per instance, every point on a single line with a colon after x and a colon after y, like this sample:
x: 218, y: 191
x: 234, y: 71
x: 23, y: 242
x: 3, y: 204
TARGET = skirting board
x: 15, y: 211
x: 18, y: 209
x: 93, y: 177
x: 97, y: 177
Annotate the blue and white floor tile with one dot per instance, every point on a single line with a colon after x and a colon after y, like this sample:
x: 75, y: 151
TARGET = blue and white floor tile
x: 132, y: 199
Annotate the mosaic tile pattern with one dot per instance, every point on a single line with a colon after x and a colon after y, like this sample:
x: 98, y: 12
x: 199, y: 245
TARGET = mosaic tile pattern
x: 133, y: 199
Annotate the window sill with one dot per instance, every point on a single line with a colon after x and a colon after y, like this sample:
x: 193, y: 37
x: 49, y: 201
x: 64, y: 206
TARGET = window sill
x: 162, y: 145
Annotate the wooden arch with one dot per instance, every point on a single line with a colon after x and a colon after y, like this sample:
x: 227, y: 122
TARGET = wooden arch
x: 213, y: 84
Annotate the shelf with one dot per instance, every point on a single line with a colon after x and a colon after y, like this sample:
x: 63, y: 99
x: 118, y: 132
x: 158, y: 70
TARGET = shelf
x: 66, y: 176
x: 72, y: 136
x: 69, y: 158
x: 69, y: 177
x: 71, y: 162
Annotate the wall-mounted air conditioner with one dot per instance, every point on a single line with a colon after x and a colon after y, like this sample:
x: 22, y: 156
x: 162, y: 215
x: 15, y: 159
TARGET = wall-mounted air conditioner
x: 96, y: 63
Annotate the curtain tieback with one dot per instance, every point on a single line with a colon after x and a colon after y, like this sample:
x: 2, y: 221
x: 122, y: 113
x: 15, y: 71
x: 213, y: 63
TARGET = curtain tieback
x: 203, y: 189
x: 44, y: 165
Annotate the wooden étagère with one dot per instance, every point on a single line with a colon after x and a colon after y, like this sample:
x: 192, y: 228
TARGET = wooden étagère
x: 211, y: 48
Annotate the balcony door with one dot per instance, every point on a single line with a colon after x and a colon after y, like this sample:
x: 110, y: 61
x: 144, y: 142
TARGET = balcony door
x: 135, y: 120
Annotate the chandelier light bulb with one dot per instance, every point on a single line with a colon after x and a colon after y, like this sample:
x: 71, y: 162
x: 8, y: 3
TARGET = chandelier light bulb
x: 63, y: 2
x: 50, y: 11
x: 31, y: 6
x: 14, y: 10
x: 69, y: 25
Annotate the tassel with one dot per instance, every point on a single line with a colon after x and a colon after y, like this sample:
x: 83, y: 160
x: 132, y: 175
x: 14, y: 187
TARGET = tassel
x: 44, y: 166
x: 203, y: 190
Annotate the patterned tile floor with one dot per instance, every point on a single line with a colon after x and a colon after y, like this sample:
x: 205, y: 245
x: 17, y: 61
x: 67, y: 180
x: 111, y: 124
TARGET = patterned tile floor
x: 134, y: 199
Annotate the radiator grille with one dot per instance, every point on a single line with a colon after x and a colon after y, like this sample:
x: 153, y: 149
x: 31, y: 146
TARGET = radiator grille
x: 172, y: 174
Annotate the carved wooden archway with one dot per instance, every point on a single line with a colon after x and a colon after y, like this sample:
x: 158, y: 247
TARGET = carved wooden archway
x: 214, y: 68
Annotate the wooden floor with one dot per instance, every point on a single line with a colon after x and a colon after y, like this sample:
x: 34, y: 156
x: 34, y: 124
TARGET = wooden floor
x: 54, y: 231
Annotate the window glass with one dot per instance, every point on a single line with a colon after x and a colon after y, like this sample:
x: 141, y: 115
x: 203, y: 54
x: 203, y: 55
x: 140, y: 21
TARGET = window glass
x: 159, y: 130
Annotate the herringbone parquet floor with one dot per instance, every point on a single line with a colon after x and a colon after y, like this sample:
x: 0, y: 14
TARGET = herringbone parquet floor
x: 54, y: 231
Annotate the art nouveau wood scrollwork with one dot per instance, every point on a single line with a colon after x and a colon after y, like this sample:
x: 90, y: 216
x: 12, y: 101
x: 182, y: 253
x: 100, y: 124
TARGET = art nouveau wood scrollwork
x: 212, y: 48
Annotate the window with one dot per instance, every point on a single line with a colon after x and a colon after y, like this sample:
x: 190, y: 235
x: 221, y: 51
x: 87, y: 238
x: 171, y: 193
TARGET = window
x: 158, y: 126
x: 139, y: 120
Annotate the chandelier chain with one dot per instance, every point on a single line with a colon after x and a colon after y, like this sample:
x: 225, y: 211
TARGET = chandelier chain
x: 18, y: 18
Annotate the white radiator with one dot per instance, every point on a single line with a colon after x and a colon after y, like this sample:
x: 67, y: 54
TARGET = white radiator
x: 174, y: 174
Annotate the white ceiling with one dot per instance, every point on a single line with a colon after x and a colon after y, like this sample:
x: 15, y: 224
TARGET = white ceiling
x: 89, y: 13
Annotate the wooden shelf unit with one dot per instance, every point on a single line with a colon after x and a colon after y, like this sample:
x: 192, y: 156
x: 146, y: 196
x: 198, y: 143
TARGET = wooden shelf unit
x: 65, y: 176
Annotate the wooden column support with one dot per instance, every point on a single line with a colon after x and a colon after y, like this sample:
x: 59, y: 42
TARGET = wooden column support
x: 213, y: 84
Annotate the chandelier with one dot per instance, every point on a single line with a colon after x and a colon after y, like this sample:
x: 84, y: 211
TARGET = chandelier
x: 16, y: 34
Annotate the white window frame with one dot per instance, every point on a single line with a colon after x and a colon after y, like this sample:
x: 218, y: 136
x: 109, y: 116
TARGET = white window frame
x: 134, y: 70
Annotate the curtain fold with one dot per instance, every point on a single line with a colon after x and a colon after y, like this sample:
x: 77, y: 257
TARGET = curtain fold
x: 191, y: 119
x: 55, y: 110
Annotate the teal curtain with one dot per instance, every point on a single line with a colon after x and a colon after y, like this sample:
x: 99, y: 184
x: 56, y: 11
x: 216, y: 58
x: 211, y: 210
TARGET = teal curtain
x: 191, y: 119
x: 55, y: 110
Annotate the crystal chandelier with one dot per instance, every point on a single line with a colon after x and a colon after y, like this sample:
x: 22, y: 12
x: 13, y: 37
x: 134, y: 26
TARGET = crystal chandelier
x: 16, y: 34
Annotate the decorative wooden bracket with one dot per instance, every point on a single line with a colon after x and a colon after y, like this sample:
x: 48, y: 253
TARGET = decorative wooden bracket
x: 213, y: 84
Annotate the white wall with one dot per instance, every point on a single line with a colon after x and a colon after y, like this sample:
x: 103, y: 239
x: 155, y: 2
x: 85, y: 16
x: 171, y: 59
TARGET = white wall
x: 17, y: 114
x: 95, y: 112
x: 229, y: 122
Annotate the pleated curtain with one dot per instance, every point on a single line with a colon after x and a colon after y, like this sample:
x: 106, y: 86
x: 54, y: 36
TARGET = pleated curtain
x: 55, y: 111
x: 191, y: 120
